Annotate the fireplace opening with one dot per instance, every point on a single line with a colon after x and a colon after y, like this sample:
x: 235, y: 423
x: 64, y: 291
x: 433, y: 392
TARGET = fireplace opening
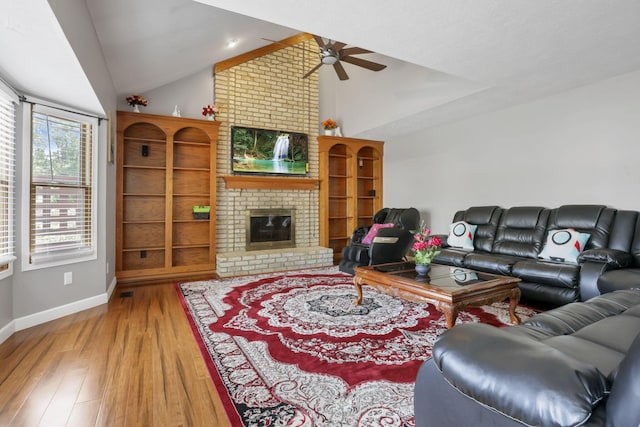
x: 270, y: 228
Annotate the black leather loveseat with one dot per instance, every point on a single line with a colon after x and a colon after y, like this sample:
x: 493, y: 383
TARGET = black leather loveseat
x: 509, y: 242
x: 576, y: 365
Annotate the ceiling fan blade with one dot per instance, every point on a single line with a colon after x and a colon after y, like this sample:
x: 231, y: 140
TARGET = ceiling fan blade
x: 312, y: 70
x: 319, y: 41
x: 353, y: 51
x: 342, y: 74
x: 337, y: 46
x: 373, y: 66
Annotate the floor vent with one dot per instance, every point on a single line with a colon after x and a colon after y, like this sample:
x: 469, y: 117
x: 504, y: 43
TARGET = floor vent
x: 126, y: 294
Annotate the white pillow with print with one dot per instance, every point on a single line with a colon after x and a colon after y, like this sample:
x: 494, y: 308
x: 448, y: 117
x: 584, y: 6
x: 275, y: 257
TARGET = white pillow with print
x: 564, y: 245
x: 461, y: 235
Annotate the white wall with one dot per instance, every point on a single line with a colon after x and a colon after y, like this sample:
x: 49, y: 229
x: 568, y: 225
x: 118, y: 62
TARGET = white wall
x: 580, y: 146
x: 6, y: 308
x: 39, y: 295
x: 190, y: 94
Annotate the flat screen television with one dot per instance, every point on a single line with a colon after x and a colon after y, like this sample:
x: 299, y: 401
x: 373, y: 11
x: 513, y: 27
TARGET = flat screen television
x: 265, y: 151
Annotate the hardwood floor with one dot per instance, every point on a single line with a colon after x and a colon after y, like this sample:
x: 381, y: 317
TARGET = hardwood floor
x: 131, y: 362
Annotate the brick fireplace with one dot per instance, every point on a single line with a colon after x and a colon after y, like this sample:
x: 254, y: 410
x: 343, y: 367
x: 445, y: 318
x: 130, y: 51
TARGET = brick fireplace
x: 268, y: 92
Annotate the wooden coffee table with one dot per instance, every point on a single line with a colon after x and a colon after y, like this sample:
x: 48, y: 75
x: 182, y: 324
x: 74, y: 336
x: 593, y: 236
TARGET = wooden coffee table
x: 449, y: 289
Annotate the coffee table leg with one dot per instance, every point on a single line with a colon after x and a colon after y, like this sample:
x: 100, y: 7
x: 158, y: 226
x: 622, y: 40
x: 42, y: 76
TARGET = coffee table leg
x: 357, y: 281
x: 514, y: 298
x: 450, y: 314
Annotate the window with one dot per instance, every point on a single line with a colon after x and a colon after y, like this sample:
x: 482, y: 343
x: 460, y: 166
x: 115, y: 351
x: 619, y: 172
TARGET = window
x: 8, y: 103
x: 62, y: 189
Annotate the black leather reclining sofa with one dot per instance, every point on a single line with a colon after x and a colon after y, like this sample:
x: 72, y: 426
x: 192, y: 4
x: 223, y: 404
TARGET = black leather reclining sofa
x: 575, y: 365
x: 508, y: 242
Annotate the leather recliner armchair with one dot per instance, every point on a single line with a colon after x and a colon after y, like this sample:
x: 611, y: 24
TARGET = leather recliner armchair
x: 389, y: 245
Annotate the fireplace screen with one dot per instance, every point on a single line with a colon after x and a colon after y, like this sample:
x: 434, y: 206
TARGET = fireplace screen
x: 270, y: 228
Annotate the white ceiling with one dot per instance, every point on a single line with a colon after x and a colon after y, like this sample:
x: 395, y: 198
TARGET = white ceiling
x: 517, y: 50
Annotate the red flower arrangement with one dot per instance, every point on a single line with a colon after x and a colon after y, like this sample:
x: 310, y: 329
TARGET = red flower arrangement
x: 136, y: 100
x: 425, y: 247
x: 210, y: 110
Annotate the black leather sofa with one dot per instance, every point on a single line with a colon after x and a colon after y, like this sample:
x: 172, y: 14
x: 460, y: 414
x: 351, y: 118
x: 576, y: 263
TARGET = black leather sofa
x: 389, y: 245
x: 508, y: 242
x: 576, y: 365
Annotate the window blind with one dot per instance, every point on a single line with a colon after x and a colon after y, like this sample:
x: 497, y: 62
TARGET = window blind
x: 62, y: 196
x: 7, y: 177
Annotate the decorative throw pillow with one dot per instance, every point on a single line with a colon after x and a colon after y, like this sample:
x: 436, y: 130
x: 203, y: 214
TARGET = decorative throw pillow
x: 373, y: 231
x: 564, y: 245
x: 461, y: 235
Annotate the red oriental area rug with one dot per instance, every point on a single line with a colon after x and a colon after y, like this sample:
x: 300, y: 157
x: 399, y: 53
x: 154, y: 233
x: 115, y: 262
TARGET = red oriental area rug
x: 292, y: 349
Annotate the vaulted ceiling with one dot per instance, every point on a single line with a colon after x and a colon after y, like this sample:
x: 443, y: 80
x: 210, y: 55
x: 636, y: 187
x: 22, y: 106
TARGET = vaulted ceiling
x: 502, y: 52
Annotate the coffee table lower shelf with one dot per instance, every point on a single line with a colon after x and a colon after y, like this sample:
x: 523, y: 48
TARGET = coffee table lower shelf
x: 448, y: 289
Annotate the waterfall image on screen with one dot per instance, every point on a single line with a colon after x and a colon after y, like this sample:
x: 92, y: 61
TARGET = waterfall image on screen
x: 268, y: 151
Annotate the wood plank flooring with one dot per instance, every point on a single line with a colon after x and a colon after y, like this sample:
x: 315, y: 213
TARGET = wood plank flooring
x: 131, y: 362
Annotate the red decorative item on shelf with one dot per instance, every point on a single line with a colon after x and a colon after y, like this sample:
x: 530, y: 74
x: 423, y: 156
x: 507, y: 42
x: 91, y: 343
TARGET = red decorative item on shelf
x: 210, y: 111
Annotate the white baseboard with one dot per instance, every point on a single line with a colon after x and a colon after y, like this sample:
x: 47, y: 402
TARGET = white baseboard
x: 64, y: 310
x: 56, y: 313
x: 112, y: 287
x: 7, y: 331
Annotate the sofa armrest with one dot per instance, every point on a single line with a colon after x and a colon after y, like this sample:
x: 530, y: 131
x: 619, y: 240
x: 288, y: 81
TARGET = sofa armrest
x: 519, y: 377
x: 612, y: 257
x: 358, y: 234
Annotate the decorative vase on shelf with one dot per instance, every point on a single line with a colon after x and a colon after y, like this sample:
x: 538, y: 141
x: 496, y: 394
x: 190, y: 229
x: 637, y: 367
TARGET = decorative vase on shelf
x: 136, y: 108
x: 329, y: 132
x: 422, y: 269
x: 211, y: 117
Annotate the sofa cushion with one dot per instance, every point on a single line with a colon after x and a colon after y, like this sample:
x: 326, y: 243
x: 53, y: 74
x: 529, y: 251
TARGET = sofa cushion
x: 522, y: 378
x: 451, y: 256
x: 373, y: 231
x: 612, y: 280
x: 615, y: 332
x: 604, y: 358
x: 521, y: 231
x: 461, y: 235
x: 596, y: 220
x: 491, y: 263
x: 554, y: 274
x: 622, y: 406
x: 564, y: 245
x: 575, y: 316
x: 487, y: 219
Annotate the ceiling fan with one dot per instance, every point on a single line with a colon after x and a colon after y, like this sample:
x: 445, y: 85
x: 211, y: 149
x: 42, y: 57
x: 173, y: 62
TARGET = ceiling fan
x: 332, y: 53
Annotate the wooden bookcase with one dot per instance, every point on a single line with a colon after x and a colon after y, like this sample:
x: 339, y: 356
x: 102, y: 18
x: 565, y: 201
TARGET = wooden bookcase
x: 165, y: 166
x: 350, y: 187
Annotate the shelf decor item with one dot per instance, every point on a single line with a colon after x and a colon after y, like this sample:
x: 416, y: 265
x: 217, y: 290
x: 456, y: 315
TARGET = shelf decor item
x: 210, y: 111
x: 201, y: 212
x: 329, y: 126
x: 135, y: 101
x: 425, y: 248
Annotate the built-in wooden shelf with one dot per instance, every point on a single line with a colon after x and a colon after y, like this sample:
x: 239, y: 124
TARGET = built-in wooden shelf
x: 262, y: 182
